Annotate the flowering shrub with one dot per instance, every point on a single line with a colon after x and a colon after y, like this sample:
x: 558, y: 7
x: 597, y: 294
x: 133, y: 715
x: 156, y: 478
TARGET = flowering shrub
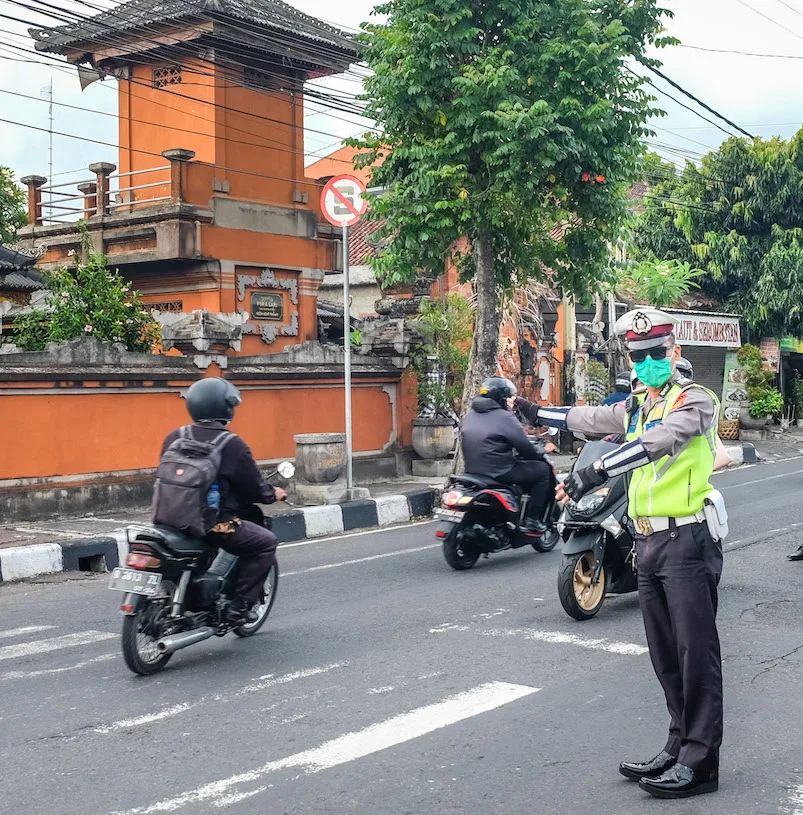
x: 91, y: 301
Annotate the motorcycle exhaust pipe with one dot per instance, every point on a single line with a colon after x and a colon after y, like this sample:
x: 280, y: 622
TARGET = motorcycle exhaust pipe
x: 175, y: 642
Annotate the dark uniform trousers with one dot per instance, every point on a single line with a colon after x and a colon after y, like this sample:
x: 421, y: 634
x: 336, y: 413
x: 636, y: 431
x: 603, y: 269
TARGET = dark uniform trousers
x: 256, y: 548
x: 535, y: 477
x: 678, y: 575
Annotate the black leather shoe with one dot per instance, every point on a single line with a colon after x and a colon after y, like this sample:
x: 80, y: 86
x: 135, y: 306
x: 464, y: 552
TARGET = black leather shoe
x: 241, y: 613
x: 534, y: 527
x: 680, y: 781
x: 636, y: 770
x: 796, y: 555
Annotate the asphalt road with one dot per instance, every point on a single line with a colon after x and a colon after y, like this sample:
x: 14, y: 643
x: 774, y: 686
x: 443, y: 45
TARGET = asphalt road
x: 386, y: 683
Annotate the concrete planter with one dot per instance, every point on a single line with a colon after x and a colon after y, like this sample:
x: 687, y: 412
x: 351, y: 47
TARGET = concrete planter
x: 748, y: 422
x: 320, y: 457
x: 433, y: 438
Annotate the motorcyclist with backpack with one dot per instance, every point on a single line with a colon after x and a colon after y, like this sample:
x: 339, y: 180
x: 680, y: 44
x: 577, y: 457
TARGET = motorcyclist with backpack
x: 227, y: 504
x: 495, y: 445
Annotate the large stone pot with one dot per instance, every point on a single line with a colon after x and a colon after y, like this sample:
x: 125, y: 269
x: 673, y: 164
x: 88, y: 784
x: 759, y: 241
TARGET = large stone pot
x: 320, y: 457
x: 748, y: 422
x: 433, y: 438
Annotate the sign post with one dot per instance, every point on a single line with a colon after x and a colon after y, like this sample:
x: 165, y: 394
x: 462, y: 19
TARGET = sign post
x: 343, y: 205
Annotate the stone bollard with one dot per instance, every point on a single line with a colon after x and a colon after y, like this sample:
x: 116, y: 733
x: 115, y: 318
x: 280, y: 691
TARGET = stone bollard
x: 433, y: 440
x: 320, y: 468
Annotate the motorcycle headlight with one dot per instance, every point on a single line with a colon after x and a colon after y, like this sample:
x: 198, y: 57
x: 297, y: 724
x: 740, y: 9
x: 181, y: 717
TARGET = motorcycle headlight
x: 589, y: 504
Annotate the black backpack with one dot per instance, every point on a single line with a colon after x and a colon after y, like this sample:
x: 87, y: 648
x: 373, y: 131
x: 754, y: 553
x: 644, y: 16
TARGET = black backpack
x: 187, y: 470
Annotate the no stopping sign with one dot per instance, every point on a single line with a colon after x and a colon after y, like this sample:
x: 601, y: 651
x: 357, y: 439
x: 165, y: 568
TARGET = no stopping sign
x: 342, y: 202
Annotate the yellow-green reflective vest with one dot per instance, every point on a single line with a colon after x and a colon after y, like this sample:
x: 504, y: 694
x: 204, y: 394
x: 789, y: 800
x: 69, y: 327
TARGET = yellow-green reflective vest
x: 676, y: 485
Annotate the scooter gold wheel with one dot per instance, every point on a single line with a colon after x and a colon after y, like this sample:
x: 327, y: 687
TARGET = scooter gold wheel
x: 580, y: 597
x: 589, y: 594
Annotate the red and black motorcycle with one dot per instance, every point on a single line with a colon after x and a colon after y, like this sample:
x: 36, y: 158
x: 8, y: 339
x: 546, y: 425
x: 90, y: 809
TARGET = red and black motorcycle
x: 481, y: 516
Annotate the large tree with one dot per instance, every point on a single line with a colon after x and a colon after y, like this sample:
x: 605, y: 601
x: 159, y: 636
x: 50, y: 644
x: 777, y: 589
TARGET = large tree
x: 739, y: 217
x: 12, y: 206
x: 514, y: 125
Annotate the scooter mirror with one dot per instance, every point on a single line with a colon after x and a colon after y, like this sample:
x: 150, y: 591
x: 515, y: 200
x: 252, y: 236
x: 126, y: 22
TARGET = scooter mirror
x: 286, y: 469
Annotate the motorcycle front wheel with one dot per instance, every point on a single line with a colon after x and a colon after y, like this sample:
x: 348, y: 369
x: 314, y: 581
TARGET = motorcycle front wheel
x: 580, y: 597
x: 141, y: 632
x: 454, y: 553
x: 263, y: 609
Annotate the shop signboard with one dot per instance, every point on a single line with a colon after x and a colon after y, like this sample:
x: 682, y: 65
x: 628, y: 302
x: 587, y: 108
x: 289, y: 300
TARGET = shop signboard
x: 711, y: 330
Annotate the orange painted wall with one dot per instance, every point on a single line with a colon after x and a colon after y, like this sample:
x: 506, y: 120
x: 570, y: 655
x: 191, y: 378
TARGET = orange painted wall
x: 101, y: 432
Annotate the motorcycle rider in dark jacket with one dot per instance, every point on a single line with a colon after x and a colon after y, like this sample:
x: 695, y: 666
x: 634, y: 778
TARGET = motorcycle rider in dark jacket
x: 211, y: 403
x: 491, y: 436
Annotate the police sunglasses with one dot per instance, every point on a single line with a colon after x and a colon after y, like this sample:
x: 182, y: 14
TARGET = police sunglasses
x: 660, y: 352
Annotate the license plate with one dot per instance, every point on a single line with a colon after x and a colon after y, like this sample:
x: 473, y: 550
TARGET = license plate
x: 449, y: 513
x: 129, y: 580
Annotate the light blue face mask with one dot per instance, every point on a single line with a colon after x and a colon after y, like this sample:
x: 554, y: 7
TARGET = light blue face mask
x: 654, y: 373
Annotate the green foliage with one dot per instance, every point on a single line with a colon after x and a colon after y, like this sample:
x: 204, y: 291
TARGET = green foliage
x: 510, y: 119
x: 768, y: 403
x: 797, y: 395
x: 739, y: 216
x: 661, y: 283
x: 355, y: 337
x: 597, y: 381
x: 765, y: 400
x: 12, y: 206
x: 91, y: 301
x: 446, y: 326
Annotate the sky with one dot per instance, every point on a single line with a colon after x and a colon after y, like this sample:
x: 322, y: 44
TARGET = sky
x: 763, y: 95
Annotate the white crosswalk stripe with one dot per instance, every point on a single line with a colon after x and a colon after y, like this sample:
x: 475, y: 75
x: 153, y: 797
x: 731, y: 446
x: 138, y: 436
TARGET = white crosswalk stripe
x: 21, y: 632
x: 26, y: 649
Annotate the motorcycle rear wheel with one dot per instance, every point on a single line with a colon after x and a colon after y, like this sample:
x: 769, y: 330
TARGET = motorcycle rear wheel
x: 141, y: 630
x: 454, y: 554
x: 263, y: 609
x: 580, y: 598
x: 547, y: 542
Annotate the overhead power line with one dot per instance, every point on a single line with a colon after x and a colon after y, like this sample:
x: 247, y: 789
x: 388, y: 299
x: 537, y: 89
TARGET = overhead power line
x: 791, y: 8
x: 771, y: 19
x: 740, y: 53
x: 697, y: 100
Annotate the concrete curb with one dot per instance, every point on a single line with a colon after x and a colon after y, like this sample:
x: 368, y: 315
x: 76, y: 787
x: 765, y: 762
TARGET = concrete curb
x: 104, y: 553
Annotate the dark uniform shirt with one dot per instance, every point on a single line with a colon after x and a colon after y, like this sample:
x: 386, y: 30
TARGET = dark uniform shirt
x: 239, y: 479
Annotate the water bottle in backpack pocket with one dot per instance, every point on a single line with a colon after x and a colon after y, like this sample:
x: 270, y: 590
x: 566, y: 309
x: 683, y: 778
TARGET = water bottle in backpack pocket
x: 186, y: 495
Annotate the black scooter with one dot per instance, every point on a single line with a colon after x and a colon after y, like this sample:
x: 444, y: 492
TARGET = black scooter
x: 480, y: 516
x: 599, y: 543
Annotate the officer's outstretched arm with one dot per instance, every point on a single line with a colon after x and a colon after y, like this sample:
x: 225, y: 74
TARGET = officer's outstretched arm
x: 595, y: 422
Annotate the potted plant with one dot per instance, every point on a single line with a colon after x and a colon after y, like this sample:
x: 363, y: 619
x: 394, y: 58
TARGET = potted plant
x: 764, y: 400
x: 797, y: 398
x: 440, y: 363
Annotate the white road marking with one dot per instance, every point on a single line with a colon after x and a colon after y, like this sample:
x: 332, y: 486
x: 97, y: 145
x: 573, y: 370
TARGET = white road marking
x: 148, y: 718
x: 235, y: 798
x: 270, y: 681
x: 35, y: 530
x: 758, y: 480
x: 361, y: 560
x: 283, y: 546
x: 27, y: 649
x: 796, y: 800
x: 175, y: 710
x: 21, y: 632
x: 552, y: 637
x: 352, y: 746
x: 48, y: 671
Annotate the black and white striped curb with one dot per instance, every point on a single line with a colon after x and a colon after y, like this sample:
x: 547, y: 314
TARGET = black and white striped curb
x: 104, y: 553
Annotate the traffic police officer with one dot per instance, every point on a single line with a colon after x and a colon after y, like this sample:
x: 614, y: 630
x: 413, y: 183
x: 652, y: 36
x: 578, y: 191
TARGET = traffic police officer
x: 680, y: 521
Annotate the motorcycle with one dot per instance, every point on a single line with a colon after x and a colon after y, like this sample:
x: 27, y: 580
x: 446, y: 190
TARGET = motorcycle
x: 178, y: 589
x: 599, y: 550
x: 481, y: 516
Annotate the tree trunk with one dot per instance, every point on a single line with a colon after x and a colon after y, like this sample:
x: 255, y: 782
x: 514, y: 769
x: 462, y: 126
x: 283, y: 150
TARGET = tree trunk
x: 482, y: 360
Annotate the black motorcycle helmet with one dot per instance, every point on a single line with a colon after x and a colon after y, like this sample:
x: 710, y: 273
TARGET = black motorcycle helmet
x: 499, y: 389
x: 622, y: 381
x: 684, y: 368
x: 212, y: 400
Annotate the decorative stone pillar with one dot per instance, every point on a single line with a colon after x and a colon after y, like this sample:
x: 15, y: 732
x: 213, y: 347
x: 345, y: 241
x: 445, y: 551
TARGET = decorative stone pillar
x: 34, y: 183
x: 309, y: 282
x: 178, y: 159
x: 102, y: 169
x: 90, y: 191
